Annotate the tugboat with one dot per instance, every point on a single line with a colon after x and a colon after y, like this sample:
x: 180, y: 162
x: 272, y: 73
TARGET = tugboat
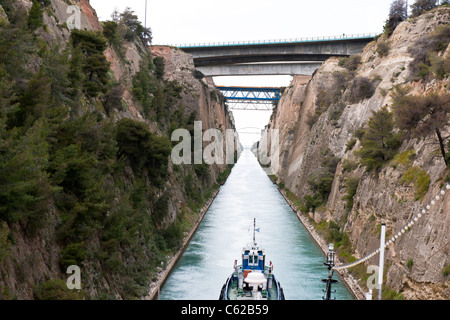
x: 252, y: 280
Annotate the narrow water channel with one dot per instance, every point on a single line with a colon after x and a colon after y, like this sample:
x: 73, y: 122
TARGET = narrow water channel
x: 227, y: 227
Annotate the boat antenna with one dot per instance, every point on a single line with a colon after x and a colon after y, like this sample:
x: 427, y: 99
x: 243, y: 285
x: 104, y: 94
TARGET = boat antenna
x: 254, y: 229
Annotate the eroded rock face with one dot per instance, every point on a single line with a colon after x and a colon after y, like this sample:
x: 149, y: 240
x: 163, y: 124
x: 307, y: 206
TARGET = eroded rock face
x: 416, y: 261
x: 34, y: 260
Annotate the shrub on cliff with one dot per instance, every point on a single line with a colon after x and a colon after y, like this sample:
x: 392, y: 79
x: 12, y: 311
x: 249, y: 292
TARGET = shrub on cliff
x: 330, y: 97
x: 423, y: 115
x: 383, y: 48
x: 351, y: 186
x: 352, y: 63
x: 56, y: 289
x: 320, y: 182
x: 361, y: 88
x: 427, y: 59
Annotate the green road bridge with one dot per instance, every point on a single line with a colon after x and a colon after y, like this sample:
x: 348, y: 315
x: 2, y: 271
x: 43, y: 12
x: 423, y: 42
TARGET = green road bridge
x: 300, y: 56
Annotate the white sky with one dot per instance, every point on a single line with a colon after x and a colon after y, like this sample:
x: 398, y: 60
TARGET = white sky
x: 199, y: 21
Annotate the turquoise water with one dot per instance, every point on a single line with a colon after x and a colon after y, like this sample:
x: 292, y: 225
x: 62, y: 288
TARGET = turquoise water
x: 227, y: 227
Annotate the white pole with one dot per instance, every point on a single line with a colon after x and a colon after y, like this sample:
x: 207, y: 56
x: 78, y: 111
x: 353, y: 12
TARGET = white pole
x: 380, y: 271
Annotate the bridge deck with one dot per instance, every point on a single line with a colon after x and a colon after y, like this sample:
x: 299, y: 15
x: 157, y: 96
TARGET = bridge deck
x: 276, y: 41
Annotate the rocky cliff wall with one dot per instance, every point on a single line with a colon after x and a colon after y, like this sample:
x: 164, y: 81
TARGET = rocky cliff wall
x: 415, y: 263
x: 124, y: 267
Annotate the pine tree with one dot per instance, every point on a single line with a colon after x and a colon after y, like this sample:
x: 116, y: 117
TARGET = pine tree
x: 95, y: 66
x: 35, y: 18
x: 379, y: 142
x: 397, y: 14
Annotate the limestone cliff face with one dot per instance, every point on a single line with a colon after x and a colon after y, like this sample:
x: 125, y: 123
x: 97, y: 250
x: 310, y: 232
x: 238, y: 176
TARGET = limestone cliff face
x: 415, y: 262
x: 33, y: 260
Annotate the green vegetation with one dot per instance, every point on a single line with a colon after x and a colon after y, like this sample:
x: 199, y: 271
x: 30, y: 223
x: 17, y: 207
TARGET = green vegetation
x: 383, y: 48
x: 4, y: 242
x: 56, y: 290
x: 398, y: 12
x: 404, y: 158
x: 361, y: 88
x: 345, y: 89
x: 420, y: 116
x: 427, y: 58
x: 421, y: 180
x: 446, y: 270
x: 320, y: 183
x: 143, y: 149
x: 331, y: 98
x: 95, y: 67
x: 351, y: 186
x: 67, y: 165
x: 130, y: 27
x: 111, y: 32
x: 409, y: 264
x: 392, y: 295
x: 379, y: 141
x: 35, y: 18
x: 421, y: 6
x: 351, y: 63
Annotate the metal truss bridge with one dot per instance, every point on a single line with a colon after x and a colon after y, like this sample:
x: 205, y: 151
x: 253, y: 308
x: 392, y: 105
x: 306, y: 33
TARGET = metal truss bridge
x: 251, y: 98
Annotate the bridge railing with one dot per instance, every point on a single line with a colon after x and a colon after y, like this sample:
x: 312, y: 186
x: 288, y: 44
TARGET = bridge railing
x: 276, y: 41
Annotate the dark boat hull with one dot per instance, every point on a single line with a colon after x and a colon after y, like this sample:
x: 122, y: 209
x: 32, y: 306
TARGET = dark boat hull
x: 230, y: 292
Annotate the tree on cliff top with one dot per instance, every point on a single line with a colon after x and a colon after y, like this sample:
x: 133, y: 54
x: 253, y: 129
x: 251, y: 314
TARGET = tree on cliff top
x: 133, y: 26
x: 422, y: 6
x: 423, y: 115
x: 397, y: 13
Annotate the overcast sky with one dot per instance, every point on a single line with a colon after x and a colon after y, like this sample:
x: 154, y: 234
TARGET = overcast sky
x: 199, y: 21
x: 183, y: 21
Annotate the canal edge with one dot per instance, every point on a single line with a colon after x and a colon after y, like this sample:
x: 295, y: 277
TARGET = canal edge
x: 349, y: 281
x: 155, y: 287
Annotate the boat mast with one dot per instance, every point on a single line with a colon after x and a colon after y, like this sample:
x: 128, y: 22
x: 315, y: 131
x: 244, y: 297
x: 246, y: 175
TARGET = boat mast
x: 254, y: 229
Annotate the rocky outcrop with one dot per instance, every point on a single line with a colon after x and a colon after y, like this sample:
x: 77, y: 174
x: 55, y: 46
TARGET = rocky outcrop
x: 415, y: 262
x: 29, y: 260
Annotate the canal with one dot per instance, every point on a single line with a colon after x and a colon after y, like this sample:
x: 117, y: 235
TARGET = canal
x: 227, y: 227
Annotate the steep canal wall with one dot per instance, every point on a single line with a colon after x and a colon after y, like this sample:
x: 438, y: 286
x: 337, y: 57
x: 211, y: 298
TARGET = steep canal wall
x: 330, y: 169
x: 350, y: 282
x: 164, y: 273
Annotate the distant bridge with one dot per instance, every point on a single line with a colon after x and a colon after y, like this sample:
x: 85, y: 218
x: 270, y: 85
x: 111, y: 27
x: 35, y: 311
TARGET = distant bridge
x: 251, y: 98
x: 264, y: 95
x: 274, y: 57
